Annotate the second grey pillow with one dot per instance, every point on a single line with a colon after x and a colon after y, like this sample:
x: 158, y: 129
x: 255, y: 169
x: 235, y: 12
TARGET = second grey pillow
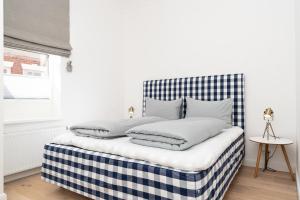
x: 216, y: 109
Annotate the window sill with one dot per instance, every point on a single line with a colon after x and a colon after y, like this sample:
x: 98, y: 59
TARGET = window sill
x: 30, y: 121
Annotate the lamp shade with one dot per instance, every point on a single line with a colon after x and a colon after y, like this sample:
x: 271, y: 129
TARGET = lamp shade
x: 131, y: 111
x: 268, y: 114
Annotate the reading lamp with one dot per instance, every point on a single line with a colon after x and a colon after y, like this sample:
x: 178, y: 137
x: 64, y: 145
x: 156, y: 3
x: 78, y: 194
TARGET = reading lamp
x: 131, y: 111
x: 268, y: 117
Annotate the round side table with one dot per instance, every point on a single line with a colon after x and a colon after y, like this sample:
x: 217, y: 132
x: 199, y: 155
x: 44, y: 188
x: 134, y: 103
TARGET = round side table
x: 272, y: 141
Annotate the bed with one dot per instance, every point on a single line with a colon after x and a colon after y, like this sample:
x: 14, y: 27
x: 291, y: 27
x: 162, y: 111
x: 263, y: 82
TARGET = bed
x: 102, y: 175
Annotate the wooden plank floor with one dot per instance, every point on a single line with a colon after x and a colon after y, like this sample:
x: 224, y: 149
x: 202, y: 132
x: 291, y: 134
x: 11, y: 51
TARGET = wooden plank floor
x: 267, y: 186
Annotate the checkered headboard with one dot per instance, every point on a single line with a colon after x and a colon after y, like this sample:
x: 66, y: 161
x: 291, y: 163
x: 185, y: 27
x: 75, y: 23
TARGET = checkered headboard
x: 208, y: 88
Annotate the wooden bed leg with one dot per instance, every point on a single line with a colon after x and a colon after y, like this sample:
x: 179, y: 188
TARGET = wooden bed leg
x: 258, y: 160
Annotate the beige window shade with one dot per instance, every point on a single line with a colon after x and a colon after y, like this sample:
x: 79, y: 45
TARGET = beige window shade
x: 38, y: 25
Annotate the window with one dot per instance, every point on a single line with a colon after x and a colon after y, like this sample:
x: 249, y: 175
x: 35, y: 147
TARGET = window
x: 26, y: 75
x: 31, y: 86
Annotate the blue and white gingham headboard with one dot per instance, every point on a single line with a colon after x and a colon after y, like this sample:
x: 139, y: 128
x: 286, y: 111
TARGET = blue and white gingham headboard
x: 208, y: 88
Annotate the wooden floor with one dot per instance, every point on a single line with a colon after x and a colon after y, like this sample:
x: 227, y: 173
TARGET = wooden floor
x: 267, y: 186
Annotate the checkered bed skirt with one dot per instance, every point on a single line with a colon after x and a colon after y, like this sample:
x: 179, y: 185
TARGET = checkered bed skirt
x: 105, y: 176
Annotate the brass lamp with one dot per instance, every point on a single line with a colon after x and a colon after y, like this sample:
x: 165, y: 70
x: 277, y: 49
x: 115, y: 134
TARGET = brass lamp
x: 268, y: 117
x: 131, y: 111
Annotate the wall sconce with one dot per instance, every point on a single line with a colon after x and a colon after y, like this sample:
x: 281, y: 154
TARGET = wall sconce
x: 69, y: 66
x: 131, y: 111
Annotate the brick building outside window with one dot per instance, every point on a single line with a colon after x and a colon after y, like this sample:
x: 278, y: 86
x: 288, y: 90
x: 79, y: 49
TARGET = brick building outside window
x: 26, y: 75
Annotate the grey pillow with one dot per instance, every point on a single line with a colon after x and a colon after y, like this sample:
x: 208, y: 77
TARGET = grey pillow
x: 164, y: 109
x: 216, y: 109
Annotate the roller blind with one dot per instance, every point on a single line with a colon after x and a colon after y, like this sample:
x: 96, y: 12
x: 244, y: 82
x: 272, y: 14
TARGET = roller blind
x: 38, y: 25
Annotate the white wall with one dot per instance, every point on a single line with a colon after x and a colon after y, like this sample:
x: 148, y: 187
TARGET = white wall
x: 297, y: 28
x: 2, y: 195
x: 178, y: 38
x: 92, y: 91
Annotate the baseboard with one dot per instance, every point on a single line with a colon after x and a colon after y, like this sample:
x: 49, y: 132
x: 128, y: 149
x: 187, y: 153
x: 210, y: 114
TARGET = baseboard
x: 3, y: 196
x: 23, y: 174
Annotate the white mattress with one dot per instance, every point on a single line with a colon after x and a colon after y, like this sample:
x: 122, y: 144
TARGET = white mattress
x: 199, y: 157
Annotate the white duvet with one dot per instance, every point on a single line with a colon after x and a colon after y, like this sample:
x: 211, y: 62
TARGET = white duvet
x: 198, y: 157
